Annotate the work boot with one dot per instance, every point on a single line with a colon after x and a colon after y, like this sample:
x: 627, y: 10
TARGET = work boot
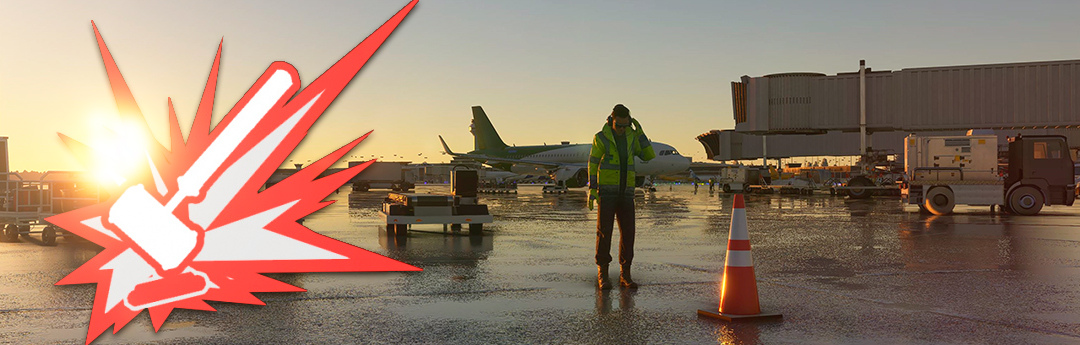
x: 624, y: 278
x: 602, y: 278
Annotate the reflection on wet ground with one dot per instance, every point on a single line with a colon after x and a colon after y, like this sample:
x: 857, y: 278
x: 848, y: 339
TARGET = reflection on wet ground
x: 841, y: 271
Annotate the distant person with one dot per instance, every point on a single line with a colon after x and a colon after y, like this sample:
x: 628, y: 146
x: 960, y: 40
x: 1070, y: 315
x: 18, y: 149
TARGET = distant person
x: 612, y: 179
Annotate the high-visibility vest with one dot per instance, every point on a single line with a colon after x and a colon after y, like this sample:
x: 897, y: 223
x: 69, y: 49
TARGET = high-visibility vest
x: 604, y: 159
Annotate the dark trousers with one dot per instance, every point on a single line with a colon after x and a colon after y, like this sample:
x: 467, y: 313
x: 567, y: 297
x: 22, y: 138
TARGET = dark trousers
x: 611, y: 208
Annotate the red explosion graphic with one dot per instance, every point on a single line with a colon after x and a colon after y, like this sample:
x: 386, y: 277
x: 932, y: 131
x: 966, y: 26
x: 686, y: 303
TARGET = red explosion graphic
x: 193, y: 223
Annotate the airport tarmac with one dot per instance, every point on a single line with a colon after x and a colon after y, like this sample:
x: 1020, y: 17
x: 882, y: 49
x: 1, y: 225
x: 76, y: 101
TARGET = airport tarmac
x: 840, y: 271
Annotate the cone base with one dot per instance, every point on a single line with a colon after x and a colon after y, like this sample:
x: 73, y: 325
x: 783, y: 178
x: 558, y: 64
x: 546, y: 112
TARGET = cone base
x: 737, y: 318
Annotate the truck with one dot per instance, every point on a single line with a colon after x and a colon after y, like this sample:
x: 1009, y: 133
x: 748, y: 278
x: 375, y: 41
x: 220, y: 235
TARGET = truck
x: 382, y: 175
x: 944, y: 171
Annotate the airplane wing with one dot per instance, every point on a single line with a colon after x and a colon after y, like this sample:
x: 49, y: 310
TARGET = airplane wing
x: 486, y: 158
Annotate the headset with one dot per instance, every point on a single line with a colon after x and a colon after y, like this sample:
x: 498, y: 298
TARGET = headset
x: 611, y: 120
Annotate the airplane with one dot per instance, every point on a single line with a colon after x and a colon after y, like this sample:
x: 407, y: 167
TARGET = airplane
x: 566, y: 163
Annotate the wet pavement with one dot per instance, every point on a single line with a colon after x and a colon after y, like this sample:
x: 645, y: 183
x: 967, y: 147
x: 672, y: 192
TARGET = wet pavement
x: 840, y: 271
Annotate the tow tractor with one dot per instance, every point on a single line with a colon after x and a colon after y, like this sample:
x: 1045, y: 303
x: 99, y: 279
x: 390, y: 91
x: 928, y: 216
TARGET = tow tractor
x: 943, y: 171
x: 400, y: 210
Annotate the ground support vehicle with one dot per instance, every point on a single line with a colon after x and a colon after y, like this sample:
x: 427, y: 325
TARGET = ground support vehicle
x: 24, y: 204
x: 382, y: 175
x: 794, y: 185
x: 949, y: 170
x: 558, y: 188
x: 738, y: 178
x: 400, y: 210
x: 495, y: 187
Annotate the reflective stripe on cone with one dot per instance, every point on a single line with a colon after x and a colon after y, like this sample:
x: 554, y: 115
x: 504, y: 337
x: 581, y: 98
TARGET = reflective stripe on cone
x: 738, y: 287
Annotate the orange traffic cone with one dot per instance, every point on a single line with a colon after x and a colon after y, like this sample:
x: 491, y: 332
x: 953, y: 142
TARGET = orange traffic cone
x: 738, y: 289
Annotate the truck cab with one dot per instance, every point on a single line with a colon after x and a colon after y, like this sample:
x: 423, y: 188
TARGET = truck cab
x: 1040, y: 172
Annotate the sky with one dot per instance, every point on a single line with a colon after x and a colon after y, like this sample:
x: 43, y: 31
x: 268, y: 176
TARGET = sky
x: 544, y: 71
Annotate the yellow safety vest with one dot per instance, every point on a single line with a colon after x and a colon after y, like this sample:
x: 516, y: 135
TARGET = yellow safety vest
x: 604, y: 159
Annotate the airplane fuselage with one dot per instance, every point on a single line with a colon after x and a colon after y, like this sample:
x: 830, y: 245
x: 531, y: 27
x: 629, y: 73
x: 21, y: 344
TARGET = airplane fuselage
x: 667, y: 161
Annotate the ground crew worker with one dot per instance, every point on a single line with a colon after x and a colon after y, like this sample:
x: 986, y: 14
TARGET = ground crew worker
x: 612, y: 180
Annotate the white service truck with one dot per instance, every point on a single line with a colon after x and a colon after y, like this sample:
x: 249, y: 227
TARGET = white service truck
x: 943, y: 171
x: 384, y: 175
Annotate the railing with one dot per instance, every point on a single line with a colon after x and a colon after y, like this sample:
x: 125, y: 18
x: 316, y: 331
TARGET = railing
x: 55, y: 192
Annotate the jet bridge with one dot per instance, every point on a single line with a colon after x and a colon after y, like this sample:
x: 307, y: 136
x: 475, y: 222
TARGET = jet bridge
x: 814, y: 114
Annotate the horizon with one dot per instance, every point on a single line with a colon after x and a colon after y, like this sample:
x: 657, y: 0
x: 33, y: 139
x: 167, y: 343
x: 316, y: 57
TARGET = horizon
x: 544, y: 72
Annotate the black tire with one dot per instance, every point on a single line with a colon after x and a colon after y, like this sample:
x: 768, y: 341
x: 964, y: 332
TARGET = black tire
x: 10, y: 233
x: 1025, y: 201
x: 939, y: 200
x: 726, y: 188
x: 858, y: 193
x: 48, y: 236
x: 476, y: 229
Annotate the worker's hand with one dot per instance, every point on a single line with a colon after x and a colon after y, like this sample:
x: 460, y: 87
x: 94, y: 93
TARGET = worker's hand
x: 592, y: 199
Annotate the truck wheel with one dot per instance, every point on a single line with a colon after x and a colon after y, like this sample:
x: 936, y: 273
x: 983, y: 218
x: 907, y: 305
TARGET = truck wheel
x: 48, y: 236
x: 859, y: 193
x: 476, y: 229
x: 726, y: 188
x: 940, y: 200
x: 1026, y: 201
x: 10, y: 233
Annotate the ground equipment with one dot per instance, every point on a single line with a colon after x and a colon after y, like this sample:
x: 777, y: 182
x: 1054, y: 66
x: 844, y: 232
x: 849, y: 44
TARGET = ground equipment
x: 943, y: 171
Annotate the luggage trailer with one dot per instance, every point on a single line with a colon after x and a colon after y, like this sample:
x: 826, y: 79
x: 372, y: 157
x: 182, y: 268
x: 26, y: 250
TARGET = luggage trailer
x: 400, y: 210
x: 24, y: 204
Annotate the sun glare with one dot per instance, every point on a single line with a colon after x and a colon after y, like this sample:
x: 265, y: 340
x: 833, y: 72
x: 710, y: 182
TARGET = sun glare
x: 118, y: 149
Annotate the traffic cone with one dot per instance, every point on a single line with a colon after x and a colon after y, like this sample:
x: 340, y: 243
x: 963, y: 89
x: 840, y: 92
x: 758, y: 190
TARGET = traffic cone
x: 738, y: 289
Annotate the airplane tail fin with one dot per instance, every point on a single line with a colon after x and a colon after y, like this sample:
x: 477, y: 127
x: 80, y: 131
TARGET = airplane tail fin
x: 446, y: 147
x: 484, y: 134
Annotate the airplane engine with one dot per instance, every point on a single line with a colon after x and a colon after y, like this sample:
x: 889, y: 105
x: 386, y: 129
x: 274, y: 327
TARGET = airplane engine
x: 573, y: 176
